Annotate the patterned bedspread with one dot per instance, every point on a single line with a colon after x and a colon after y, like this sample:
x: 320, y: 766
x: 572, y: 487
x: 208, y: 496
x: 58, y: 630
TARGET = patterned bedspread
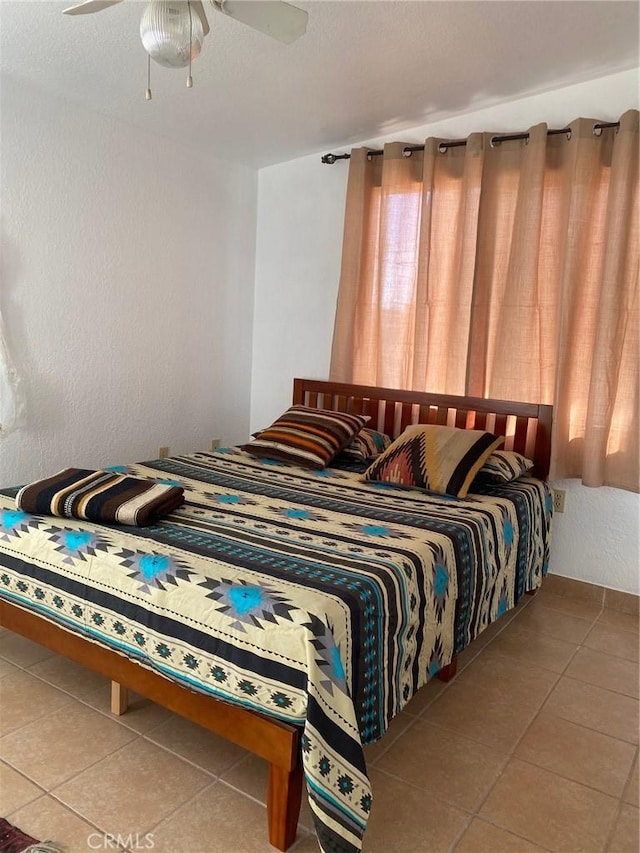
x: 307, y: 595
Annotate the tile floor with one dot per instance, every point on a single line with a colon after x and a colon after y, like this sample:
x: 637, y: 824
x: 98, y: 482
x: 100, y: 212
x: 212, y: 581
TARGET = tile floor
x: 532, y: 747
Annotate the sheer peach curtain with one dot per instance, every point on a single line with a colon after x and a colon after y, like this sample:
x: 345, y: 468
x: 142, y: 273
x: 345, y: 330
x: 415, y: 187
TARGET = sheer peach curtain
x: 506, y: 270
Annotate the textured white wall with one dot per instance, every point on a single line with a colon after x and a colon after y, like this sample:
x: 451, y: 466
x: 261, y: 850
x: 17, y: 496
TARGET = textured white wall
x: 126, y: 286
x: 300, y: 213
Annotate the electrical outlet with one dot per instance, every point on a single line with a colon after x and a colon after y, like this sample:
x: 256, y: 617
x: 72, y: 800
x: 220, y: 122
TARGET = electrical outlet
x: 559, y: 496
x: 163, y: 452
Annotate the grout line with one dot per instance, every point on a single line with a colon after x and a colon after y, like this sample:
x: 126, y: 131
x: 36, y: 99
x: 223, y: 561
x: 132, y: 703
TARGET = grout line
x: 470, y: 812
x: 613, y: 827
x: 41, y: 789
x: 608, y: 690
x: 214, y: 777
x: 516, y: 834
x: 186, y: 803
x: 66, y: 806
x: 244, y: 793
x: 569, y: 779
x: 412, y: 722
x: 630, y: 775
x: 462, y: 833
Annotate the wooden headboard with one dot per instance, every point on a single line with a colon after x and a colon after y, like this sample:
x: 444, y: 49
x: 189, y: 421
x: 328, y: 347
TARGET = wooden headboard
x: 526, y: 426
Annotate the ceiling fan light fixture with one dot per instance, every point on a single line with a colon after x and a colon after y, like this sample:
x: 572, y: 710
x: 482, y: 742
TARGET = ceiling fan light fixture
x: 171, y: 33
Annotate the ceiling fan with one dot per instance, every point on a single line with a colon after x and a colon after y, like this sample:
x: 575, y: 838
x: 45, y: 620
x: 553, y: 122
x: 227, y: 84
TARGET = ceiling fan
x: 172, y: 31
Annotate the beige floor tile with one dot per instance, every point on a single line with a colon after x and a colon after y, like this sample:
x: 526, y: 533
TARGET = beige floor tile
x: 210, y: 752
x: 55, y: 748
x: 444, y: 764
x: 578, y: 753
x: 549, y: 810
x: 596, y: 708
x: 523, y: 683
x: 547, y: 622
x: 218, y: 820
x: 7, y: 668
x: 612, y: 673
x: 250, y: 776
x: 141, y: 715
x: 397, y: 727
x: 532, y: 649
x: 472, y: 651
x: 24, y: 699
x: 132, y: 790
x: 500, y: 624
x: 626, y: 838
x: 483, y: 837
x: 68, y: 676
x: 613, y: 641
x: 485, y: 714
x: 623, y: 601
x: 571, y: 606
x: 424, y: 697
x: 571, y: 588
x: 20, y: 651
x: 632, y: 792
x: 624, y: 621
x: 15, y: 790
x: 404, y: 818
x: 48, y: 820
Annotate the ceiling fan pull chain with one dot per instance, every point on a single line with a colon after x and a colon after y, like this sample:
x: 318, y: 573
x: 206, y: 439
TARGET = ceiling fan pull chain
x: 189, y: 77
x: 147, y: 94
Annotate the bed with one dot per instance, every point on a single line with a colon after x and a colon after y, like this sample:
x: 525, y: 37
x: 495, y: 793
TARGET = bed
x: 293, y: 611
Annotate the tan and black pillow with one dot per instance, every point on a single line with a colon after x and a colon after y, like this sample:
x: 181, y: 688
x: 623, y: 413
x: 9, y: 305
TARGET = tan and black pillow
x: 503, y: 466
x: 367, y: 444
x: 437, y: 458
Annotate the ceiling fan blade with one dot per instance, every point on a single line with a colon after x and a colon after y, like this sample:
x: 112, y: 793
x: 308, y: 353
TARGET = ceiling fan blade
x: 279, y: 20
x: 90, y: 6
x: 198, y: 8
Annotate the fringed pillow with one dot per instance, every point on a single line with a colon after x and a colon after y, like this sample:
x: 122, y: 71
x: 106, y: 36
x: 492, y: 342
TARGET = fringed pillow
x: 437, y: 458
x: 307, y: 437
x: 503, y: 466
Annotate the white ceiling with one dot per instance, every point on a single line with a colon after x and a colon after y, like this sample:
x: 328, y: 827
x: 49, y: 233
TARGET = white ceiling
x: 363, y: 69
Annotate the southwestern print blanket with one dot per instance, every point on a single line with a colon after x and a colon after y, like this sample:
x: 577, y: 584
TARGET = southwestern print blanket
x: 307, y: 595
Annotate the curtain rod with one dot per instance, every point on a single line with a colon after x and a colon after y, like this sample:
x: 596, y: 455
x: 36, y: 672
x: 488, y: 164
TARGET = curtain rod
x: 329, y: 159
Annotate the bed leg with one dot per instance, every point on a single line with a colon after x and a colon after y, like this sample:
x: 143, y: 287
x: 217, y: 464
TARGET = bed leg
x: 447, y: 672
x: 283, y: 805
x: 119, y: 698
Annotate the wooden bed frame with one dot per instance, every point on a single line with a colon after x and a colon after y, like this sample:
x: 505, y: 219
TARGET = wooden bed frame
x: 527, y: 428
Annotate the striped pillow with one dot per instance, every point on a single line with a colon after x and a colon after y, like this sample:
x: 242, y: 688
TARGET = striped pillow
x: 306, y: 436
x: 367, y: 444
x: 438, y: 458
x: 503, y: 466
